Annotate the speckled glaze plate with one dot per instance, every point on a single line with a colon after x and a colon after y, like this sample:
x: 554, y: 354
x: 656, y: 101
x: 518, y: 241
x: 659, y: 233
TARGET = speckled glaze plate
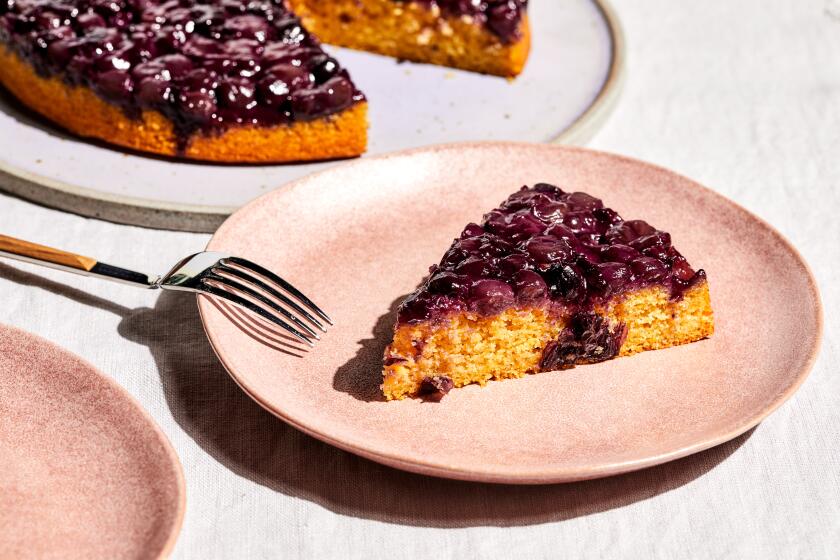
x: 359, y: 237
x: 84, y: 471
x: 568, y: 88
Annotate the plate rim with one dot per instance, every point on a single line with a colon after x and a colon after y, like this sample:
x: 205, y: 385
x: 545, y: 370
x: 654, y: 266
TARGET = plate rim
x: 177, y: 525
x: 199, y: 218
x: 551, y: 476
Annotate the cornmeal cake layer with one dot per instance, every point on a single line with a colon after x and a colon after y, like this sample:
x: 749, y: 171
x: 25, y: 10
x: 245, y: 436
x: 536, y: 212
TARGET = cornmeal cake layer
x: 470, y: 348
x: 547, y: 281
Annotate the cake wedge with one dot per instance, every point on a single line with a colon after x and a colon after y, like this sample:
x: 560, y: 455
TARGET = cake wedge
x: 547, y: 281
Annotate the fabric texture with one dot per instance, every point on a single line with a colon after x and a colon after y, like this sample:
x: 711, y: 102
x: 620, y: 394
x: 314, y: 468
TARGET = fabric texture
x: 741, y: 96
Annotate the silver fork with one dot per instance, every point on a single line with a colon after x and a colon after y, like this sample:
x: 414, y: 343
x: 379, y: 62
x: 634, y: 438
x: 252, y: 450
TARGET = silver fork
x: 234, y: 279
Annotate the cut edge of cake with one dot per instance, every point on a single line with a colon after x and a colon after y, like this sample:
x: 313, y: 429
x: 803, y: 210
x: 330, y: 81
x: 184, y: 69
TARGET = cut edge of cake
x: 414, y: 31
x: 469, y: 348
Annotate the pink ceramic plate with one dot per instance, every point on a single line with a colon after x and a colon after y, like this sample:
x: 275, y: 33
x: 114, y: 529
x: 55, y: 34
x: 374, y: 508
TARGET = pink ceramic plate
x: 360, y: 236
x: 84, y: 471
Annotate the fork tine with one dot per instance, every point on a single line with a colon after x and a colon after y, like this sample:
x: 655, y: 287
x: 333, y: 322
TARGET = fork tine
x: 224, y: 294
x: 230, y: 283
x: 254, y: 267
x: 242, y: 275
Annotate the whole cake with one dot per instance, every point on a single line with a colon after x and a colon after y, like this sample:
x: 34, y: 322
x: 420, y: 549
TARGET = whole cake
x: 234, y: 80
x: 548, y: 280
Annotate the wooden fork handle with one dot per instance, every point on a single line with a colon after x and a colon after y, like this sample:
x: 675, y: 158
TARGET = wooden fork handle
x: 71, y: 262
x: 45, y: 254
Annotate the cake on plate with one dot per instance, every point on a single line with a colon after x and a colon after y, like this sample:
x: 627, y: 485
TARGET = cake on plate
x: 234, y: 80
x: 547, y: 281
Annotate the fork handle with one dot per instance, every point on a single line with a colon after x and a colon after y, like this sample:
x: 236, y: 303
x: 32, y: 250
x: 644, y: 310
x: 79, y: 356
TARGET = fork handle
x: 21, y: 250
x: 41, y: 253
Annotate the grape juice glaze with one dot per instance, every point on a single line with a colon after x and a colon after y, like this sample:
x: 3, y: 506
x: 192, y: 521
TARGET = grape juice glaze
x: 544, y: 248
x: 206, y: 65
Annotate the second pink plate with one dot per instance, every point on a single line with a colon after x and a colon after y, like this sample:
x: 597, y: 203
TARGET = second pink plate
x: 84, y: 471
x: 360, y: 236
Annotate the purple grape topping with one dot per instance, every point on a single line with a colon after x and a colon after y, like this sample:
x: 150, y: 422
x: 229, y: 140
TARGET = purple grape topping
x: 547, y: 248
x: 205, y: 64
x: 588, y: 338
x: 501, y: 17
x: 435, y: 388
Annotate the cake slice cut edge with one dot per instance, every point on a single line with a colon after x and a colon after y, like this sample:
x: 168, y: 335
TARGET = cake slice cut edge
x: 470, y: 348
x: 457, y: 329
x: 420, y: 32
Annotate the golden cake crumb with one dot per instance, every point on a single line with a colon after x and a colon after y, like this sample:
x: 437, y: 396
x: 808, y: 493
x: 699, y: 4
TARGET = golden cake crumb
x: 474, y: 349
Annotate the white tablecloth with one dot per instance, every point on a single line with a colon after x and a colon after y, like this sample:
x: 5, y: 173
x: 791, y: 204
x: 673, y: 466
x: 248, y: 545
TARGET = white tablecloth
x: 742, y: 96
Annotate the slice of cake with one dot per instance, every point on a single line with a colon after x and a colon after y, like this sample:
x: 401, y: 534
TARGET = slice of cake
x: 549, y: 280
x: 489, y: 36
x: 220, y: 80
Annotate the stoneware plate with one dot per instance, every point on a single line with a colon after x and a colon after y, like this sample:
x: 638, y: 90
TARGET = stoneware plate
x: 359, y: 237
x: 566, y: 91
x: 84, y: 471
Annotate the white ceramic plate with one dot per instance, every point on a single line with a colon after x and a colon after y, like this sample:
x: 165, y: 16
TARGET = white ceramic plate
x: 566, y: 91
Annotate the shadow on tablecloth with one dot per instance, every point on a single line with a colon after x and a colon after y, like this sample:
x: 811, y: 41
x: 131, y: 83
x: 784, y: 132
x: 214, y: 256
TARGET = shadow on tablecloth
x: 252, y: 443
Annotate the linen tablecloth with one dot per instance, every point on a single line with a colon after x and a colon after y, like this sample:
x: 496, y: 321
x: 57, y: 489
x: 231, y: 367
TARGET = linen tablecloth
x: 741, y: 96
